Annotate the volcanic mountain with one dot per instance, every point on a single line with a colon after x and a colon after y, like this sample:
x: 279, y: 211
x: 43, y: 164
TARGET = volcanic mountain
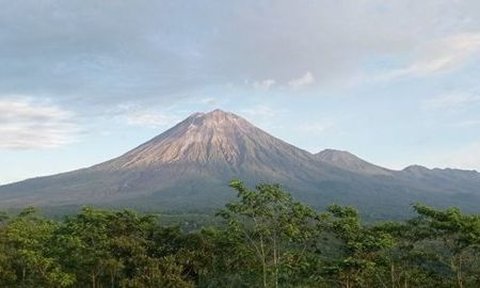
x: 219, y: 143
x: 347, y: 161
x: 188, y: 167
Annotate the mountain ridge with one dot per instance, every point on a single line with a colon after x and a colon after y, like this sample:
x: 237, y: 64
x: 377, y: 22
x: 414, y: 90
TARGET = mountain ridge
x: 351, y: 162
x: 189, y: 166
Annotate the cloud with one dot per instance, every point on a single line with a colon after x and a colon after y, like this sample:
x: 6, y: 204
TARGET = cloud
x: 25, y: 124
x: 208, y: 101
x: 456, y: 100
x: 305, y: 80
x: 439, y: 55
x: 264, y: 84
x: 80, y: 50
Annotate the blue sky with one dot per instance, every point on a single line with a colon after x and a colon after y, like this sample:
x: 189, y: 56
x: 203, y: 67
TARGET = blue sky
x: 395, y: 82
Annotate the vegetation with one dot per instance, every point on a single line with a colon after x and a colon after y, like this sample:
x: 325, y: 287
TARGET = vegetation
x: 264, y: 239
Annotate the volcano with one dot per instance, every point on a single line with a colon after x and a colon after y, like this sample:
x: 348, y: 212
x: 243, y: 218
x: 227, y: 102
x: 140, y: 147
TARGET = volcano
x: 188, y: 168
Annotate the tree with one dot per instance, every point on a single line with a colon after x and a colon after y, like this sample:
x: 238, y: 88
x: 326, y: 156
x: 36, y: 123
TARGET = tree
x: 362, y: 248
x: 118, y: 249
x: 273, y: 228
x: 26, y: 244
x: 455, y: 238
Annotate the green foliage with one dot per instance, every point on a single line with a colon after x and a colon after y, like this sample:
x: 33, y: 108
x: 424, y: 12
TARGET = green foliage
x: 361, y: 248
x: 263, y: 239
x: 24, y: 241
x: 272, y: 230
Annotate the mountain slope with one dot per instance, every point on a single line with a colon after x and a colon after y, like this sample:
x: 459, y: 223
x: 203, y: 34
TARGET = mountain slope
x: 218, y: 140
x: 188, y: 167
x: 198, y: 155
x: 350, y: 162
x: 448, y: 180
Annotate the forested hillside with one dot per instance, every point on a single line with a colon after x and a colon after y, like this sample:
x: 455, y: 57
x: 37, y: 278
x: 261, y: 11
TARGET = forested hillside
x: 265, y: 239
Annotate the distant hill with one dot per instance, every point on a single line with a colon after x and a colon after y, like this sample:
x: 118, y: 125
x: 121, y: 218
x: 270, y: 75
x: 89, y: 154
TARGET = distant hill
x: 347, y: 161
x: 188, y: 167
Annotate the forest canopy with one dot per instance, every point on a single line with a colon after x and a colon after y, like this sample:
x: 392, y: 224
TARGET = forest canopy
x: 263, y: 239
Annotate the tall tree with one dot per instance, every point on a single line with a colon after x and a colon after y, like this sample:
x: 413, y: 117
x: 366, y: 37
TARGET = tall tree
x: 274, y: 228
x: 26, y: 243
x: 359, y: 264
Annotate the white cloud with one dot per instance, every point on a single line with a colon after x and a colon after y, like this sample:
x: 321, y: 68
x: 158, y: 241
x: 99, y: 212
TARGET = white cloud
x: 440, y: 55
x: 305, y: 80
x: 452, y: 101
x: 156, y: 57
x: 264, y: 84
x: 25, y: 124
x: 208, y: 101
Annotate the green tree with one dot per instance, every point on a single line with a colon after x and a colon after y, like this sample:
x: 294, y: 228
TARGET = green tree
x: 274, y: 229
x: 361, y: 258
x: 118, y: 249
x: 456, y: 239
x: 26, y: 243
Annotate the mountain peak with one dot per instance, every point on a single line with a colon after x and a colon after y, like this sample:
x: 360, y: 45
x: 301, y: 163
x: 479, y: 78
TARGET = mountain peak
x: 215, y: 117
x: 187, y: 166
x: 216, y: 138
x: 214, y: 113
x: 349, y: 161
x: 218, y: 111
x: 333, y: 153
x: 218, y: 114
x: 416, y: 168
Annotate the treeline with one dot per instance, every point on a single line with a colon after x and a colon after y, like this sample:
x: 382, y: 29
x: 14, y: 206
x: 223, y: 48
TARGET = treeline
x: 266, y: 240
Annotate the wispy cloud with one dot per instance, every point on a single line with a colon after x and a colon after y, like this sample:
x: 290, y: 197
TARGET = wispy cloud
x: 208, y: 101
x: 25, y: 124
x: 440, y: 55
x: 264, y: 84
x: 454, y: 100
x: 305, y: 80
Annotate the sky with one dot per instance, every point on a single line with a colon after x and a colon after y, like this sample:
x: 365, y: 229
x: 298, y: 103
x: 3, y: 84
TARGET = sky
x: 394, y: 82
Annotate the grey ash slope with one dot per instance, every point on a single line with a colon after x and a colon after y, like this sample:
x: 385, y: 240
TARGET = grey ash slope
x: 450, y: 181
x: 453, y: 181
x: 391, y: 189
x: 219, y: 140
x: 347, y: 161
x: 189, y: 166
